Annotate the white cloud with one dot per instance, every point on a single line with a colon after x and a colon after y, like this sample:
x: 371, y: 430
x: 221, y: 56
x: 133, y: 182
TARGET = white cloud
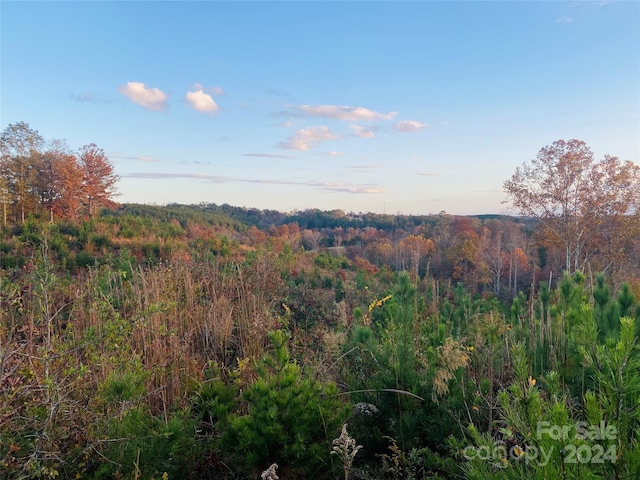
x: 409, y: 126
x: 202, y: 102
x: 360, y: 131
x: 306, y: 138
x: 151, y: 98
x: 337, y: 112
x: 565, y: 19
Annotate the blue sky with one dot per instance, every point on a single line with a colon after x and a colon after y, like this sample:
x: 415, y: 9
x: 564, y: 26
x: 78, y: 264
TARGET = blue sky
x: 396, y: 107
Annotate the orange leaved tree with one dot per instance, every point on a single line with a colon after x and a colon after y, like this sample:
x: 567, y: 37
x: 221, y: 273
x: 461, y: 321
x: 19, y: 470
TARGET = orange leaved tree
x: 589, y: 207
x: 99, y: 178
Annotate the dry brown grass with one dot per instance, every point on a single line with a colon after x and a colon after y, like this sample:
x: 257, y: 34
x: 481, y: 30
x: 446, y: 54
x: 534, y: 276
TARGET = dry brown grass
x: 173, y: 318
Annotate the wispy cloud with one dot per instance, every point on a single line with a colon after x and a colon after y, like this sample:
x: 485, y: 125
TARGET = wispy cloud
x: 88, y: 97
x: 330, y: 153
x: 140, y: 158
x: 267, y: 155
x: 147, y: 97
x: 83, y: 97
x: 338, y: 112
x: 564, y: 19
x: 428, y: 174
x: 163, y: 175
x: 358, y: 189
x: 363, y: 168
x: 217, y: 91
x: 201, y: 101
x: 278, y: 93
x: 362, y: 132
x: 306, y: 138
x: 409, y: 126
x: 341, y: 187
x: 195, y: 162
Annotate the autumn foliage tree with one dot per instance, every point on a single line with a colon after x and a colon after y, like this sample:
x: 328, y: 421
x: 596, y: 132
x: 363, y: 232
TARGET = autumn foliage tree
x: 99, y: 179
x: 38, y: 176
x: 69, y: 181
x: 59, y: 181
x: 413, y: 248
x: 20, y: 148
x: 589, y: 207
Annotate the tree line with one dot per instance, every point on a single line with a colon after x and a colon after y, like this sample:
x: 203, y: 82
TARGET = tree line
x: 40, y: 177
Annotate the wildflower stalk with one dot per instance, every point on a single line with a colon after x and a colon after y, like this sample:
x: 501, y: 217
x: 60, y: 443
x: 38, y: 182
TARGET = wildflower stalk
x: 346, y: 449
x: 270, y: 473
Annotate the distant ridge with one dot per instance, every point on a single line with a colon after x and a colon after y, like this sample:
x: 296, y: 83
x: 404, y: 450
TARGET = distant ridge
x: 240, y: 218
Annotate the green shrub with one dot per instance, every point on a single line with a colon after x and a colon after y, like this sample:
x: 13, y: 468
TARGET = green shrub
x: 144, y: 447
x: 287, y: 418
x: 84, y: 259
